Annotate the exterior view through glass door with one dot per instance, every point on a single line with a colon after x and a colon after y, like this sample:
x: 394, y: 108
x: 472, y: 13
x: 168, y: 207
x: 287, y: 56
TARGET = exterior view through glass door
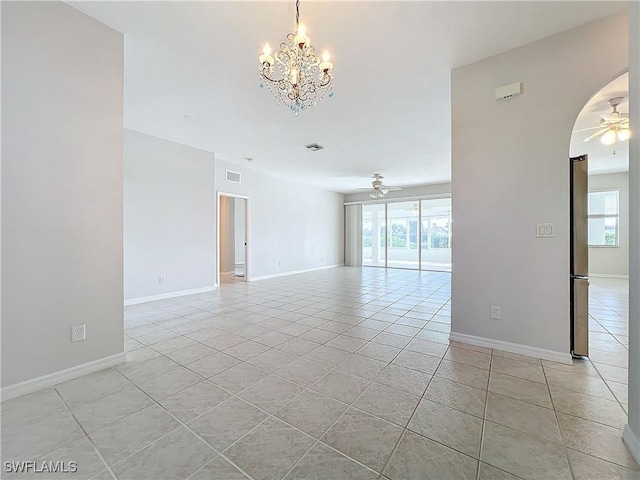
x: 408, y: 234
x: 402, y: 228
x: 374, y: 246
x: 436, y: 234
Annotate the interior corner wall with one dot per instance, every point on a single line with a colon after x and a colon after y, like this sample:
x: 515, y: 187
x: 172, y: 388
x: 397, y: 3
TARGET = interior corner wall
x: 169, y: 217
x: 62, y: 140
x: 612, y: 261
x: 632, y: 429
x: 293, y: 226
x: 510, y: 170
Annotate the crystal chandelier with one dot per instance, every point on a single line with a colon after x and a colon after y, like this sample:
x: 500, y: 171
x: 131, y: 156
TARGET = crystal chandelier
x: 305, y: 78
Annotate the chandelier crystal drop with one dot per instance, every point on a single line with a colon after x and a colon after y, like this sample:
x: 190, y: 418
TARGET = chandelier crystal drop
x: 303, y: 77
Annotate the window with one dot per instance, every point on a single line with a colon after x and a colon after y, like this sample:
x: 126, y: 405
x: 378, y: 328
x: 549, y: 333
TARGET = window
x: 603, y: 218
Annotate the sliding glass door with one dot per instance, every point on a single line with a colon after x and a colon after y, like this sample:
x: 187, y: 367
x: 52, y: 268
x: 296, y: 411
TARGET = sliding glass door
x: 410, y: 234
x: 436, y: 234
x: 374, y: 235
x: 402, y: 228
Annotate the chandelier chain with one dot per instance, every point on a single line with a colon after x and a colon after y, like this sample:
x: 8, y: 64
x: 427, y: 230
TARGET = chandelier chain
x: 297, y: 14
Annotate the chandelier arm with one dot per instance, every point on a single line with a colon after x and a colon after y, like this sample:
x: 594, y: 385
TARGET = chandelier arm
x: 325, y: 80
x: 281, y: 84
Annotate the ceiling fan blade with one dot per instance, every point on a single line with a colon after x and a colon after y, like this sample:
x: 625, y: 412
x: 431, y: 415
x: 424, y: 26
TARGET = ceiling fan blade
x: 600, y: 132
x: 615, y: 118
x: 393, y: 189
x: 363, y: 189
x: 585, y: 129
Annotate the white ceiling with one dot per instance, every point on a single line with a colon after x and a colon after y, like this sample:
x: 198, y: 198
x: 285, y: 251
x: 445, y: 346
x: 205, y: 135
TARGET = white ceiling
x: 602, y: 158
x: 391, y: 110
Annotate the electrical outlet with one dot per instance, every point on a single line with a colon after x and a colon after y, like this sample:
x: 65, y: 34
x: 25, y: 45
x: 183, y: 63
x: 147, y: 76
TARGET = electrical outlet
x: 162, y: 279
x: 496, y: 312
x: 78, y: 333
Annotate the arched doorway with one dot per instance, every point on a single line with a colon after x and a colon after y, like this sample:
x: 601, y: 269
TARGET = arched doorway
x: 601, y: 134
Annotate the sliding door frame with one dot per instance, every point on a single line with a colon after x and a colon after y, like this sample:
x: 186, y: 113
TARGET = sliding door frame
x: 386, y: 226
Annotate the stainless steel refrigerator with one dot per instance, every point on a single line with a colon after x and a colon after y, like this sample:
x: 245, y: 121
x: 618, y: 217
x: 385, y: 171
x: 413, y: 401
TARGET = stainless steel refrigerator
x: 579, y: 257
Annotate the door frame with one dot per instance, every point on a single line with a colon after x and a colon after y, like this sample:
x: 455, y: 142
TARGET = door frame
x: 247, y: 234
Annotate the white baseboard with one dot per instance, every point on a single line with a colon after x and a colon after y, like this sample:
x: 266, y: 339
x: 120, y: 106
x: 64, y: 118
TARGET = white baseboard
x: 632, y: 442
x: 164, y: 296
x: 512, y: 348
x: 294, y: 272
x: 606, y: 275
x: 30, y: 386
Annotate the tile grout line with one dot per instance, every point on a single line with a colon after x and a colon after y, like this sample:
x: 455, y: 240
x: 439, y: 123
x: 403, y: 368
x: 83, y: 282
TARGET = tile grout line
x: 86, y: 434
x: 406, y: 427
x: 484, y: 418
x: 370, y: 381
x: 351, y: 405
x: 562, y: 436
x: 180, y: 425
x: 177, y: 335
x: 306, y: 388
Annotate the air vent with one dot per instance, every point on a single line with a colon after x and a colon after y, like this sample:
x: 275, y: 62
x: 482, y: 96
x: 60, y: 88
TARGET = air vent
x: 233, y: 177
x: 314, y: 147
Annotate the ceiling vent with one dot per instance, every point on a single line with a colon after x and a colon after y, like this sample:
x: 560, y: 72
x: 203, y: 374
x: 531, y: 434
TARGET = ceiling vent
x: 233, y: 177
x: 314, y: 147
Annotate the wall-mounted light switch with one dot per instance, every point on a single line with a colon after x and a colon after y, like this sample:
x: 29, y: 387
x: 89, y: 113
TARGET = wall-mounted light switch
x: 545, y: 230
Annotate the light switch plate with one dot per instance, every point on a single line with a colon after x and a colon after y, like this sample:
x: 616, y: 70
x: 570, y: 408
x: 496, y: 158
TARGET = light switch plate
x: 545, y: 230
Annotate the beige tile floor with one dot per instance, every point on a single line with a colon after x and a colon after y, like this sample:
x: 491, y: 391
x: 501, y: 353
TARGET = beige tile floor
x: 338, y: 374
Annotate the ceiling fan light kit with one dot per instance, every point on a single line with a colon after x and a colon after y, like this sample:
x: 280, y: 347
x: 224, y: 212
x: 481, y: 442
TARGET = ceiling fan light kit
x: 613, y: 128
x: 378, y: 189
x: 305, y: 78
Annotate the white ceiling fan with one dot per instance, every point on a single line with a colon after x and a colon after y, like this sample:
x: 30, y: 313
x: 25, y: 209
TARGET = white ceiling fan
x: 613, y: 127
x: 378, y: 189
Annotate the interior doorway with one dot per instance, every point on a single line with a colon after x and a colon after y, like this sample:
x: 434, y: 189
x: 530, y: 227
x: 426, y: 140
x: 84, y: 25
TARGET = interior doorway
x: 602, y: 132
x: 232, y: 252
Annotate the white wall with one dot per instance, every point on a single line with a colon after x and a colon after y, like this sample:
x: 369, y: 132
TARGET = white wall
x: 293, y: 226
x: 632, y: 430
x: 612, y: 260
x: 62, y: 132
x: 510, y: 171
x: 409, y: 192
x: 169, y: 222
